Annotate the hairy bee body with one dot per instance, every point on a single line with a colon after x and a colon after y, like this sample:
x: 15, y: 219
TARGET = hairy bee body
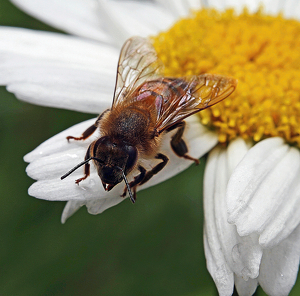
x: 146, y: 105
x: 134, y: 123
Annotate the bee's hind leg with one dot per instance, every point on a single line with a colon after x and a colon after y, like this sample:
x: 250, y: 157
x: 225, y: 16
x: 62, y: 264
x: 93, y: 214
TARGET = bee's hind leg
x: 177, y: 143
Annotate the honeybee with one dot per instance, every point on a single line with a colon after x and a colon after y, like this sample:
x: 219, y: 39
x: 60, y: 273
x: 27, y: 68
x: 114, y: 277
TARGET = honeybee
x: 145, y: 106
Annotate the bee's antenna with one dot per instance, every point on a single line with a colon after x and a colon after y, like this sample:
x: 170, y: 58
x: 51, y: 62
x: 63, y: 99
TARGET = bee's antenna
x: 127, y: 185
x: 78, y: 166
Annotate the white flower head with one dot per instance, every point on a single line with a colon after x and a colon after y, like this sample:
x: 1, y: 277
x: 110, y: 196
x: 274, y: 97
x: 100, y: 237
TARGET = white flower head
x: 251, y: 194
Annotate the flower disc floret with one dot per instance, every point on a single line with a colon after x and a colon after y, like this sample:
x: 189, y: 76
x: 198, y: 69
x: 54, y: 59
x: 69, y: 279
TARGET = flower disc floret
x: 259, y: 50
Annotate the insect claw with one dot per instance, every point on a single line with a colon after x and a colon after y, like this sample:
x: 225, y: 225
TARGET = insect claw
x: 80, y: 179
x: 68, y: 138
x: 196, y: 160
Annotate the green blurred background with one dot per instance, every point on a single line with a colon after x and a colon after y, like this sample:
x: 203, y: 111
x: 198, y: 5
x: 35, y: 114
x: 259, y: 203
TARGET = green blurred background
x: 152, y: 248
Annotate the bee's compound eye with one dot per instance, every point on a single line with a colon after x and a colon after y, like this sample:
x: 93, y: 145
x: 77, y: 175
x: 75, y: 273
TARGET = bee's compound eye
x: 132, y: 157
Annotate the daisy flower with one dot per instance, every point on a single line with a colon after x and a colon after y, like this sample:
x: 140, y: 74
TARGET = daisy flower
x: 251, y: 188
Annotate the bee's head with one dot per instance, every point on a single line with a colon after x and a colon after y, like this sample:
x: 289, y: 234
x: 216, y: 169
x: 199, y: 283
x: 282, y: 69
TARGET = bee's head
x: 113, y: 159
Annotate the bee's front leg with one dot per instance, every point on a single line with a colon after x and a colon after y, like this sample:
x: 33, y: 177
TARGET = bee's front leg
x: 89, y: 131
x: 85, y: 134
x: 177, y: 143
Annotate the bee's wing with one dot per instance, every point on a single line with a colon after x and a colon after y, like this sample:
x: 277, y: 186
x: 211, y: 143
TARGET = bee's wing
x: 199, y: 92
x: 138, y: 62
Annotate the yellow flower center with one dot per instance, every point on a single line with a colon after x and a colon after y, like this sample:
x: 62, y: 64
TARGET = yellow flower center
x: 261, y: 51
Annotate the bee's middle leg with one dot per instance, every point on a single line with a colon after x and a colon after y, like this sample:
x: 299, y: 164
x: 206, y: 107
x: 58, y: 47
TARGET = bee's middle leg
x: 177, y: 143
x: 137, y: 180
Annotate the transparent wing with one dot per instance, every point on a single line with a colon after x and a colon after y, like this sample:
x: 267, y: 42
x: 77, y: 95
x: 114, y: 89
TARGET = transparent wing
x: 138, y: 62
x: 197, y: 93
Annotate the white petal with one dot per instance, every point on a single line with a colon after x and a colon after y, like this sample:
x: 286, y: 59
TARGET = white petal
x: 270, y: 194
x: 236, y: 150
x: 287, y: 217
x: 153, y: 17
x: 97, y: 206
x: 53, y: 158
x: 56, y: 70
x: 56, y: 47
x: 55, y: 189
x: 279, y: 266
x: 52, y: 96
x: 193, y: 4
x: 220, y: 272
x: 225, y: 231
x: 245, y: 288
x: 47, y: 167
x: 64, y: 190
x: 180, y: 8
x: 71, y: 207
x: 125, y: 19
x: 256, y: 186
x: 56, y: 156
x: 272, y: 7
x: 291, y: 9
x: 78, y: 17
x: 243, y: 255
x: 94, y: 206
x: 219, y: 5
x: 58, y: 143
x: 115, y: 29
x: 214, y: 252
x: 246, y: 256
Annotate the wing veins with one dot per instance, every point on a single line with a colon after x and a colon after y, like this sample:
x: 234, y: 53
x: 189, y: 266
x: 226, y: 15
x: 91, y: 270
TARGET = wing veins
x: 195, y: 98
x: 138, y: 58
